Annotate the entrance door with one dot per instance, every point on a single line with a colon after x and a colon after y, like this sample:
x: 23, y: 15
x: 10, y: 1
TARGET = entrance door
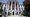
x: 13, y: 12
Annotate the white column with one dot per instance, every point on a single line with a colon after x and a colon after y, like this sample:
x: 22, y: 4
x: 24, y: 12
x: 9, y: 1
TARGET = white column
x: 18, y: 8
x: 3, y: 9
x: 3, y: 6
x: 15, y: 8
x: 8, y: 6
x: 7, y: 9
x: 15, y: 5
x: 11, y: 6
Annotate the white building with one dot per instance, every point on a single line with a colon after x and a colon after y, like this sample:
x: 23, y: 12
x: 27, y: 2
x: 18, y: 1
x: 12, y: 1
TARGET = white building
x: 12, y: 6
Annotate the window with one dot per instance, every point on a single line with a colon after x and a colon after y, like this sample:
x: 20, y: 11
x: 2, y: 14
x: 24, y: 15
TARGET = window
x: 10, y: 3
x: 17, y: 13
x: 13, y: 6
x: 5, y: 12
x: 0, y: 3
x: 4, y: 8
x: 5, y: 4
x: 0, y: 7
x: 16, y: 5
x: 9, y: 13
x: 13, y: 2
x: 16, y: 9
x: 19, y: 9
x: 10, y: 6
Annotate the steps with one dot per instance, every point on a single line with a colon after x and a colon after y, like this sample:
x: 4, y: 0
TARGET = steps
x: 16, y: 16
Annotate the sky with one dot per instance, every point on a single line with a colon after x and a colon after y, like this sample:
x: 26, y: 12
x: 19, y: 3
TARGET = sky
x: 5, y: 1
x: 20, y: 1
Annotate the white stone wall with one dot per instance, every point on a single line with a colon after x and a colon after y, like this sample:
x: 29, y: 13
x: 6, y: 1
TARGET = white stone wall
x: 15, y: 11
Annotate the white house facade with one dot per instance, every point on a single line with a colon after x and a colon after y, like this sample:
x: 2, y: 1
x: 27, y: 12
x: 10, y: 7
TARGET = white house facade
x: 13, y: 8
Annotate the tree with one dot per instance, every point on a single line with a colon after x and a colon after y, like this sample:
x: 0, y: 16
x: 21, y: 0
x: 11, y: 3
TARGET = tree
x: 1, y: 7
x: 0, y: 3
x: 24, y: 3
x: 27, y: 9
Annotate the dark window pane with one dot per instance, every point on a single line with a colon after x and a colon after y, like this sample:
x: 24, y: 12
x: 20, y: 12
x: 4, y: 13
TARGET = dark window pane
x: 19, y: 9
x: 10, y: 3
x: 9, y: 13
x: 16, y: 5
x: 4, y: 8
x: 16, y: 9
x: 0, y: 3
x: 5, y: 12
x: 12, y: 8
x: 17, y: 13
x: 13, y: 3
